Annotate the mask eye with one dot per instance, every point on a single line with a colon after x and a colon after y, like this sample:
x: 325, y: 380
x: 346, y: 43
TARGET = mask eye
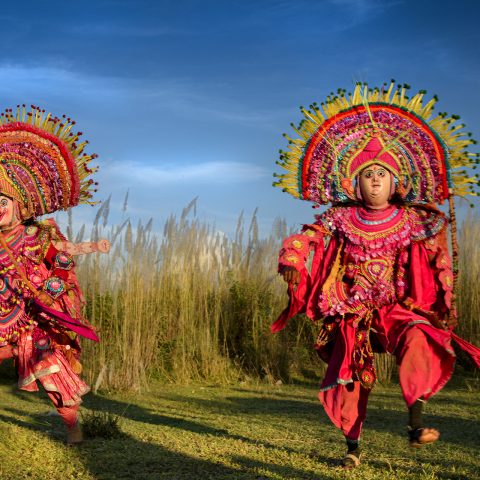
x: 381, y: 173
x: 3, y: 203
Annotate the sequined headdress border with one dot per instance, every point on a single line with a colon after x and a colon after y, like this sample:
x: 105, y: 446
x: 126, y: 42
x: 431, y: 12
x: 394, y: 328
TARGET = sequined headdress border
x: 432, y: 150
x: 42, y: 161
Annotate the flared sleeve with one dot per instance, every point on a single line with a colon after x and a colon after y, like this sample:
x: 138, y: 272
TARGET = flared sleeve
x: 431, y: 291
x: 431, y: 279
x: 295, y: 253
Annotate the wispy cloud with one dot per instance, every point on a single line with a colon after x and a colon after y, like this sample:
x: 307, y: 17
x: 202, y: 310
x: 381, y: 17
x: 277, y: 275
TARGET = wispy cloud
x: 365, y: 6
x: 213, y: 172
x: 347, y: 14
x: 336, y: 15
x: 180, y: 96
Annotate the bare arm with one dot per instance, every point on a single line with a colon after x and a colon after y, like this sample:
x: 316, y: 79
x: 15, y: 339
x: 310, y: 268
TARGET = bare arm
x: 83, y: 248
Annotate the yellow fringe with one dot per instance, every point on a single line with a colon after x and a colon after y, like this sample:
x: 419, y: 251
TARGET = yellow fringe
x: 335, y: 271
x: 61, y: 128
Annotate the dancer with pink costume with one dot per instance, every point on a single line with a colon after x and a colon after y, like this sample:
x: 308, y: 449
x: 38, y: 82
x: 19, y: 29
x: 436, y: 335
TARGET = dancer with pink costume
x: 381, y: 277
x: 43, y: 169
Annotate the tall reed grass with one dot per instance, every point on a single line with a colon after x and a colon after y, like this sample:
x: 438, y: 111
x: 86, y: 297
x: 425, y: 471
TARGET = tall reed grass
x: 188, y: 305
x: 192, y: 304
x: 468, y: 291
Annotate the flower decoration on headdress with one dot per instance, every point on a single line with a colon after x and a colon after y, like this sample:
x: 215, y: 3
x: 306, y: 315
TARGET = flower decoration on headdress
x: 42, y: 162
x: 427, y: 154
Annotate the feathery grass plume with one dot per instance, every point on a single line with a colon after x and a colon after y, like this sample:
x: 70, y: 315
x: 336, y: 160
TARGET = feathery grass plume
x: 468, y: 296
x: 188, y: 305
x: 125, y: 203
x: 191, y: 304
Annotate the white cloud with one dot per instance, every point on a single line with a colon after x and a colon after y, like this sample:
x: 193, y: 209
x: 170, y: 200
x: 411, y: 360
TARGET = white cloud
x: 213, y: 172
x: 51, y: 81
x: 178, y: 96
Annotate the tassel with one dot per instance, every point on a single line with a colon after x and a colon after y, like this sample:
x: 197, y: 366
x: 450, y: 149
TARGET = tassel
x: 334, y: 271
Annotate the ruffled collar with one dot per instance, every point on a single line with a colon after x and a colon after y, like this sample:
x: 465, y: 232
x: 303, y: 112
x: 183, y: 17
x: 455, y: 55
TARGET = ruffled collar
x: 375, y: 221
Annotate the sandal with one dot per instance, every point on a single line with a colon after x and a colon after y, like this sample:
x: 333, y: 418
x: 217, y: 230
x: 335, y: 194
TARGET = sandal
x: 421, y: 436
x: 351, y: 460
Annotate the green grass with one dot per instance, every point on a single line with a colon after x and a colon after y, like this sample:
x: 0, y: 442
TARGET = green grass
x: 242, y: 432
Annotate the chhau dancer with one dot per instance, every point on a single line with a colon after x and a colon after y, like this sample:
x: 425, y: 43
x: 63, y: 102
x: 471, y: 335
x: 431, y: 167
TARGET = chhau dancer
x: 381, y: 277
x: 43, y: 169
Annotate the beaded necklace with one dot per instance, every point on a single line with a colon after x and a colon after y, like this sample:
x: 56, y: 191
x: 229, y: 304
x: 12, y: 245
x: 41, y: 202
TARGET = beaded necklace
x: 375, y: 222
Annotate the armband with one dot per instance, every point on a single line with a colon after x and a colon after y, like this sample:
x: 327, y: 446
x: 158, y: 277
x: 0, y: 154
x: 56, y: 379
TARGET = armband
x: 63, y: 261
x: 54, y: 286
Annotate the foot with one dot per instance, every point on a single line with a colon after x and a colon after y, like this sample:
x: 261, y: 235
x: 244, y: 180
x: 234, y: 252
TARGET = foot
x: 74, y: 435
x: 421, y: 436
x: 351, y: 460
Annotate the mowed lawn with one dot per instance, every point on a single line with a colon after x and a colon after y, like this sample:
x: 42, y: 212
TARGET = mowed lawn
x: 237, y: 432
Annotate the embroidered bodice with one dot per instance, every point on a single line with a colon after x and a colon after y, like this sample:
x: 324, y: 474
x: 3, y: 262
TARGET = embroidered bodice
x: 374, y: 254
x: 371, y: 262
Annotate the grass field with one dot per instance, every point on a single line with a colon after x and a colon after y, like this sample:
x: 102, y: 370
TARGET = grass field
x: 243, y: 432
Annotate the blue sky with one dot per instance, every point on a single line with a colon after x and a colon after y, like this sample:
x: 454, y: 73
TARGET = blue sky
x: 190, y: 98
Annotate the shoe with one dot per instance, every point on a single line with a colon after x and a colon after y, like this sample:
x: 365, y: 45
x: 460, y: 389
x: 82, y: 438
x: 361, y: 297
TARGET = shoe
x: 422, y: 436
x: 351, y: 460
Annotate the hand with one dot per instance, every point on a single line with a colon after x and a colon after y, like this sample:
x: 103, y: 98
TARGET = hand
x: 103, y: 245
x: 45, y: 298
x: 436, y: 320
x: 291, y: 275
x: 452, y: 320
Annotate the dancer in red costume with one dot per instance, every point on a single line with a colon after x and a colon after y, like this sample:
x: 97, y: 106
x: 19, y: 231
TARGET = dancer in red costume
x: 381, y: 277
x: 41, y: 166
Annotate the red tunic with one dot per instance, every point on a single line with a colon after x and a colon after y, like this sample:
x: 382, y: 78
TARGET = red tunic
x: 46, y: 351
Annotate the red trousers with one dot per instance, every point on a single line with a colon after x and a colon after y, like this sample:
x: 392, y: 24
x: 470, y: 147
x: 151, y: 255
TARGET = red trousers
x: 347, y: 404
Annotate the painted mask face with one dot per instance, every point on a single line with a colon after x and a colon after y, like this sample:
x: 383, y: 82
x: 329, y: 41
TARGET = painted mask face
x: 6, y: 211
x: 375, y: 186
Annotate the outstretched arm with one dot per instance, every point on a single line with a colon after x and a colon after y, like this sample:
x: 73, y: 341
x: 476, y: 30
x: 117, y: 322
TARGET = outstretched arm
x: 82, y: 248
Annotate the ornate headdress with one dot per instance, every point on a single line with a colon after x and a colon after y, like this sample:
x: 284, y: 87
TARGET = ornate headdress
x: 427, y: 154
x: 42, y: 162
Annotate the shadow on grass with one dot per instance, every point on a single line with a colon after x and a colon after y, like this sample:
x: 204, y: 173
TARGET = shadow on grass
x: 421, y: 465
x: 391, y: 419
x: 379, y: 419
x: 137, y: 413
x: 127, y: 457
x: 285, y: 471
x: 7, y: 372
x: 269, y: 403
x: 386, y: 414
x: 139, y: 459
